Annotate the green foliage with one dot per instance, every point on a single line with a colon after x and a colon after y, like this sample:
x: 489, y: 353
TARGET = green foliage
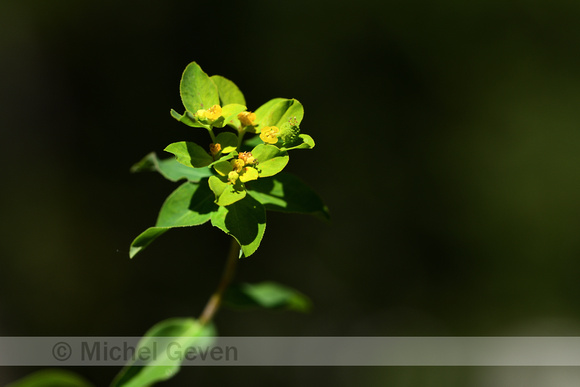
x: 228, y: 91
x: 170, y: 168
x: 244, y: 178
x: 182, y: 331
x: 270, y: 295
x: 52, y: 378
x: 245, y: 220
x: 190, y: 154
x: 198, y: 91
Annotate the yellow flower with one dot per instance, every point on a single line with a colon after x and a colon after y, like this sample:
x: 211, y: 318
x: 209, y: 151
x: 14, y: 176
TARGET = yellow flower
x: 237, y: 165
x: 269, y: 134
x: 211, y: 114
x: 247, y: 158
x: 247, y: 118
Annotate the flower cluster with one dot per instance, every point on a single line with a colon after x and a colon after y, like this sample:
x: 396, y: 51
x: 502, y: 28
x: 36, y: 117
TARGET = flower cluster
x: 240, y: 168
x: 209, y: 115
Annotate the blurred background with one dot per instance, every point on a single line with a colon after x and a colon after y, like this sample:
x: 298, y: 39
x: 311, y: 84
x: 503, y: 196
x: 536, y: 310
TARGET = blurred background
x: 447, y: 151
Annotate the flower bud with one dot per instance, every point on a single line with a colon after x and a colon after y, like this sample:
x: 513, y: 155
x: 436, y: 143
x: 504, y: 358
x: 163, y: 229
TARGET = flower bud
x: 247, y: 118
x: 214, y: 149
x: 289, y: 131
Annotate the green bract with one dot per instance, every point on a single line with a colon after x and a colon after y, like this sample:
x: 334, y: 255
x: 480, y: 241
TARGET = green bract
x: 231, y: 181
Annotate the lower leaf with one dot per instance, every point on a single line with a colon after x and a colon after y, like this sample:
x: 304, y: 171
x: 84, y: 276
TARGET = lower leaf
x: 52, y: 378
x: 184, y: 332
x: 270, y: 295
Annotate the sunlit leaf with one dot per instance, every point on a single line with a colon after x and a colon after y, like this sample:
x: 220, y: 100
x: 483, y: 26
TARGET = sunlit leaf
x: 228, y: 91
x: 182, y: 332
x: 170, y: 168
x: 187, y: 119
x: 279, y: 112
x: 225, y: 193
x: 197, y: 90
x: 190, y: 154
x: 271, y: 160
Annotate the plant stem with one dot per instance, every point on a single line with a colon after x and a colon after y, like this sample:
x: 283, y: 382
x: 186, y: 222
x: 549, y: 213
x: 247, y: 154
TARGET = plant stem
x: 240, y: 138
x: 215, y: 300
x: 210, y: 130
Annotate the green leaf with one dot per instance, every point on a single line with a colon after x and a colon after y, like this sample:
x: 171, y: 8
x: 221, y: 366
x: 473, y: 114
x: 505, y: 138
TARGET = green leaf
x: 304, y: 142
x: 228, y: 91
x: 271, y: 160
x: 228, y: 141
x: 229, y: 112
x: 198, y: 91
x: 285, y: 192
x: 145, y: 239
x: 223, y: 167
x: 190, y: 154
x: 187, y: 120
x: 273, y: 166
x: 184, y: 332
x: 264, y: 114
x: 225, y: 194
x: 51, y: 378
x: 170, y: 168
x: 245, y: 220
x: 265, y: 152
x: 269, y: 295
x: 248, y: 174
x: 189, y: 205
x: 278, y: 112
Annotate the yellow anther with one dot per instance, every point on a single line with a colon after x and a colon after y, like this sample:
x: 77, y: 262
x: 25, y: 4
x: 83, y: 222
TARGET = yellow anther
x: 214, y: 112
x: 269, y: 134
x: 247, y: 158
x: 237, y: 165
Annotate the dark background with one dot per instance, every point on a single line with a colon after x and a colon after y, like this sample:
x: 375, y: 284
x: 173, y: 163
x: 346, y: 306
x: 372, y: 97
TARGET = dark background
x: 447, y: 150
